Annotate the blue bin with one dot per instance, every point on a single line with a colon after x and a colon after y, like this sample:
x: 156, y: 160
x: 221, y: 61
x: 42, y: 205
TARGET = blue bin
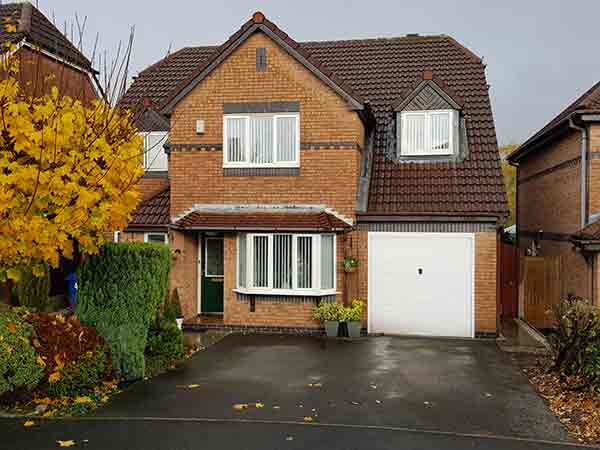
x: 71, y: 280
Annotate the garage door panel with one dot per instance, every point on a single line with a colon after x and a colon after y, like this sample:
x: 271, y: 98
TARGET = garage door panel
x: 420, y: 283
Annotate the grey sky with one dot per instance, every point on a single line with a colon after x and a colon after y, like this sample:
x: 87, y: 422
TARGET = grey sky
x: 540, y: 54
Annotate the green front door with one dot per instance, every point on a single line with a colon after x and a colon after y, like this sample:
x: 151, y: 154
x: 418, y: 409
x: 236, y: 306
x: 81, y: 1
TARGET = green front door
x: 212, y: 275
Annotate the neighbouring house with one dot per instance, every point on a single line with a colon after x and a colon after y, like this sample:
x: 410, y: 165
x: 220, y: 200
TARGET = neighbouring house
x: 282, y: 158
x: 558, y: 203
x: 46, y: 56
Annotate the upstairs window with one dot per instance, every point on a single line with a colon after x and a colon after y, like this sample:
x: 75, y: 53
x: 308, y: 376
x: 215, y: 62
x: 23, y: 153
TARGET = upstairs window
x: 427, y: 133
x: 155, y: 158
x: 286, y: 264
x: 261, y: 140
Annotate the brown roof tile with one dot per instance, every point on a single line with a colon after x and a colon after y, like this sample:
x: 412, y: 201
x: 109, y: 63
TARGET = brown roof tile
x: 589, y: 101
x: 33, y: 26
x: 381, y: 71
x: 311, y: 221
x: 153, y: 212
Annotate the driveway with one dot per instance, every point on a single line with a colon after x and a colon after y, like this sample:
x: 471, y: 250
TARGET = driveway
x: 379, y: 392
x: 432, y: 384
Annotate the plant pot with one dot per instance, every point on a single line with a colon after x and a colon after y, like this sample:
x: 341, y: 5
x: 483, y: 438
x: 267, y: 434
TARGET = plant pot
x: 350, y: 269
x: 354, y: 329
x: 179, y: 321
x: 331, y: 328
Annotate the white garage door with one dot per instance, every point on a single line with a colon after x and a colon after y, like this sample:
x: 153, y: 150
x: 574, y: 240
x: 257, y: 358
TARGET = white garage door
x: 421, y: 284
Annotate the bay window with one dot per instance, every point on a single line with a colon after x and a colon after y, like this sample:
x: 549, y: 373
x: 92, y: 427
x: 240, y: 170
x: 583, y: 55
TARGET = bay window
x: 261, y: 140
x: 300, y: 264
x: 428, y: 133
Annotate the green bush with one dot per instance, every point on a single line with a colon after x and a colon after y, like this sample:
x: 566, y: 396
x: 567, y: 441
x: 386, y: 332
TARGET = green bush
x: 354, y: 312
x: 165, y: 345
x: 176, y: 304
x: 84, y: 373
x: 33, y: 291
x: 119, y: 293
x: 19, y: 368
x: 329, y: 312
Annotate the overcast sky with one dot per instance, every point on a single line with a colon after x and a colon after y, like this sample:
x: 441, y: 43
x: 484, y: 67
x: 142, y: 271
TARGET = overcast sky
x: 540, y: 54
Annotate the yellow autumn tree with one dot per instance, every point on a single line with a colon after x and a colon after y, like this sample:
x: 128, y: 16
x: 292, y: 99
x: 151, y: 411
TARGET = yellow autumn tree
x: 68, y: 172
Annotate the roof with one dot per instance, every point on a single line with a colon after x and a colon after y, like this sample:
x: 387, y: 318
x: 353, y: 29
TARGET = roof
x: 382, y: 71
x: 590, y: 232
x: 289, y: 221
x: 153, y: 212
x: 36, y: 29
x: 588, y: 102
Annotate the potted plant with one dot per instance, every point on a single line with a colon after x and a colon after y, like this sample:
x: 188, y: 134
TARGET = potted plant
x: 330, y: 314
x: 353, y: 318
x: 350, y: 264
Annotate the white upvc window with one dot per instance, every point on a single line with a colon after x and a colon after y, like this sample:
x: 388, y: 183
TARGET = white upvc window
x: 427, y: 133
x: 286, y: 264
x: 156, y: 238
x: 155, y: 159
x: 261, y: 140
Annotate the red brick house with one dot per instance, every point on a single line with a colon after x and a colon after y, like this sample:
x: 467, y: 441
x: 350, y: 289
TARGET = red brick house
x: 558, y: 195
x: 42, y: 51
x: 282, y: 158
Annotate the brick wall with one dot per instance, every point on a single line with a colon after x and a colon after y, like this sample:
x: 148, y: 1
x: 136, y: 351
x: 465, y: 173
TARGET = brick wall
x: 327, y: 175
x: 150, y: 186
x: 184, y: 271
x: 485, y: 282
x: 35, y: 68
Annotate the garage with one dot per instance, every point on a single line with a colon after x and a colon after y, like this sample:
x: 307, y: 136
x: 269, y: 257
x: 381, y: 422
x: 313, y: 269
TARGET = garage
x: 421, y: 284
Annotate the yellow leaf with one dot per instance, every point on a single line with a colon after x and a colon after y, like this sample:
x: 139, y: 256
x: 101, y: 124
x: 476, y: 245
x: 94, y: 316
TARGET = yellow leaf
x: 308, y: 419
x: 240, y: 406
x: 83, y: 399
x: 43, y: 401
x: 193, y: 386
x: 29, y: 423
x: 259, y: 405
x: 11, y: 327
x: 40, y: 361
x: 9, y: 28
x: 54, y: 377
x: 69, y: 443
x: 49, y: 413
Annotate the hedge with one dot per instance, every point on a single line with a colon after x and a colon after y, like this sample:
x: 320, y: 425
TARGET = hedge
x: 20, y: 368
x: 120, y: 290
x: 33, y: 291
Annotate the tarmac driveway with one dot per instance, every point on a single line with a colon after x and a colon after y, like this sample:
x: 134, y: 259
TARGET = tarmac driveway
x: 457, y: 386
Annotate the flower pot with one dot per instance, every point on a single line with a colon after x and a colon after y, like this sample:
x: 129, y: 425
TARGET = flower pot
x: 354, y: 328
x: 179, y: 321
x: 331, y: 328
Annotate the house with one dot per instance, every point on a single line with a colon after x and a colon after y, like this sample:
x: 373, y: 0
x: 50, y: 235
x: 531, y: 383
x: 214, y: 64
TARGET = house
x: 283, y: 158
x: 558, y: 196
x: 46, y: 56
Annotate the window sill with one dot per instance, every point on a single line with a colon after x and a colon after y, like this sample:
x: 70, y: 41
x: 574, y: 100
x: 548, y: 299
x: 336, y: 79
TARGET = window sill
x: 261, y: 166
x: 287, y: 292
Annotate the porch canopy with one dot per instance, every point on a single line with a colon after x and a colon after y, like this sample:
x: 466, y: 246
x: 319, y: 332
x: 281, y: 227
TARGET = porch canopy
x: 271, y: 218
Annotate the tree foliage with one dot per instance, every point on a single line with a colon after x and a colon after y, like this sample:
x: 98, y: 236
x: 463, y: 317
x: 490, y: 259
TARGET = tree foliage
x: 510, y: 182
x: 67, y: 174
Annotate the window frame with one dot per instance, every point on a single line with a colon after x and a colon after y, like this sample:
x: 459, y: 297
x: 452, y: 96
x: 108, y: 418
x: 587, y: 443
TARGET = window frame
x: 247, y: 163
x: 165, y: 135
x: 165, y: 236
x: 429, y: 152
x: 316, y: 269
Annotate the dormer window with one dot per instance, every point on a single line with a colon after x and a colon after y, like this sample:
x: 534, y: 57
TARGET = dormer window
x: 428, y: 133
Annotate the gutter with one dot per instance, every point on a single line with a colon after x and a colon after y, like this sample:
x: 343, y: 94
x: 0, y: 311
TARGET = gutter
x: 584, y: 170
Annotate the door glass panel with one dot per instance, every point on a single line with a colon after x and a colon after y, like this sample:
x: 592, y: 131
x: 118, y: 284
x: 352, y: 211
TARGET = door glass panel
x: 214, y: 257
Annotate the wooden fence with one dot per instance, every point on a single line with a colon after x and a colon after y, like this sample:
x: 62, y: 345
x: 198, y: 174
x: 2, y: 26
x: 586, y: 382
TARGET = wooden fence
x: 539, y: 289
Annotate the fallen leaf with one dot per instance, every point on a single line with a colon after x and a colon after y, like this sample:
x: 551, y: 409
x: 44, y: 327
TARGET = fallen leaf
x: 43, y: 401
x: 259, y: 405
x: 54, y: 377
x: 193, y: 386
x: 40, y: 361
x: 29, y: 423
x: 83, y: 399
x: 11, y: 327
x: 240, y: 406
x: 308, y: 419
x: 69, y: 443
x: 289, y: 438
